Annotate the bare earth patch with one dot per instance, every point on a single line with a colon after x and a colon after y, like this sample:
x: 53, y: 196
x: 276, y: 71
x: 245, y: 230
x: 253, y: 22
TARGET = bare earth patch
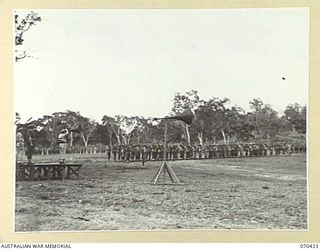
x: 235, y: 193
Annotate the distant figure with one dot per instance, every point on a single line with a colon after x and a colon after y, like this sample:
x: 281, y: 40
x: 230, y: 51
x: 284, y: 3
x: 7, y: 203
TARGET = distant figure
x: 19, y: 146
x: 25, y: 141
x: 29, y: 144
x: 63, y: 141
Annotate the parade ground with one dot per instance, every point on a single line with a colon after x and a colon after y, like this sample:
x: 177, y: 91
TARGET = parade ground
x: 256, y: 193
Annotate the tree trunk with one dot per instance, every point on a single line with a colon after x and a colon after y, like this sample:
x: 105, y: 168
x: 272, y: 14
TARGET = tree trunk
x: 85, y: 142
x: 188, y: 134
x: 200, y: 138
x: 71, y: 139
x: 224, y: 136
x: 124, y: 140
x: 110, y: 137
x: 148, y: 134
x: 138, y: 139
x: 118, y: 139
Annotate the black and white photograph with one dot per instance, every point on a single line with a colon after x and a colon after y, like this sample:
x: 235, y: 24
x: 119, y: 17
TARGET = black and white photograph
x: 161, y: 119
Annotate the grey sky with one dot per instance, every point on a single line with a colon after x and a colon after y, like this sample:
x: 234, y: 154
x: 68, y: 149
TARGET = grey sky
x: 132, y: 62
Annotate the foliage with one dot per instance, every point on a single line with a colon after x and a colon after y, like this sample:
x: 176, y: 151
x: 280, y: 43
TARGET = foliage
x: 22, y: 25
x: 296, y: 117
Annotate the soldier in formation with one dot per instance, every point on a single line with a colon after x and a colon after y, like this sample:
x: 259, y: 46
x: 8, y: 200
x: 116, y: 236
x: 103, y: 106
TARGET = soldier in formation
x: 154, y: 152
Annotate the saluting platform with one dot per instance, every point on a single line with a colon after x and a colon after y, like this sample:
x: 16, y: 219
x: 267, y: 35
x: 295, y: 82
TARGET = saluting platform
x: 47, y: 171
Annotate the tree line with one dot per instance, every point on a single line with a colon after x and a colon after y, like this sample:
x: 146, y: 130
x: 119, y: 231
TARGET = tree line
x: 216, y: 121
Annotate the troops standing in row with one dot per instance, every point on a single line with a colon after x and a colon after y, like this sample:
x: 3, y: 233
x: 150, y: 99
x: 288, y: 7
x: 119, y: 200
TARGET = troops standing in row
x: 155, y: 152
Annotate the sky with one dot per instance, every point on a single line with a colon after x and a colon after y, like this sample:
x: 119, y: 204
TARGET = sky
x: 132, y: 62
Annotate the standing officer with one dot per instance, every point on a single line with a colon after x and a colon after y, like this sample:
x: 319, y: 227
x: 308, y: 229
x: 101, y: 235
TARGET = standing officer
x: 19, y: 146
x: 62, y: 141
x: 29, y: 143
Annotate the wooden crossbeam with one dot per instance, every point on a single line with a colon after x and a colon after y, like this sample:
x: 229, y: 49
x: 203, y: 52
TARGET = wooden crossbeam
x: 73, y: 170
x: 48, y: 171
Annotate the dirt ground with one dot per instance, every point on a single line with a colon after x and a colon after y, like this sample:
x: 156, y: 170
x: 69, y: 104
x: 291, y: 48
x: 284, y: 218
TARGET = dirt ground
x: 236, y: 193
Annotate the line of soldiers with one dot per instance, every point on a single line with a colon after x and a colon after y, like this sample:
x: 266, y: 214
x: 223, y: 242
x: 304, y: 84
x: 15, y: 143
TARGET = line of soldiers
x: 187, y: 152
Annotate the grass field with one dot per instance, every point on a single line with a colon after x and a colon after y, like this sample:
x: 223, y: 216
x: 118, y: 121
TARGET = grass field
x: 236, y: 193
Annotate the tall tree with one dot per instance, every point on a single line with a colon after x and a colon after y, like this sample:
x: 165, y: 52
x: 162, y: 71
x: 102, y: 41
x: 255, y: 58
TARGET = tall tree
x: 266, y: 120
x: 87, y: 129
x: 211, y: 119
x: 113, y: 126
x: 52, y: 124
x: 181, y: 102
x: 295, y: 114
x: 140, y: 132
x: 73, y: 122
x: 127, y: 126
x: 256, y: 106
x: 153, y: 131
x: 233, y: 122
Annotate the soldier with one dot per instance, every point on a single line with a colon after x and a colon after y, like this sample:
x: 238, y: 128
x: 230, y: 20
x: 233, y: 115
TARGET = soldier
x: 240, y: 150
x: 29, y: 143
x: 149, y: 153
x: 154, y: 152
x: 219, y: 151
x: 114, y: 152
x: 144, y: 150
x: 127, y: 153
x: 138, y: 152
x: 132, y: 152
x: 160, y: 149
x: 246, y: 150
x: 289, y: 149
x: 224, y: 151
x: 19, y: 146
x: 186, y: 151
x: 235, y: 150
x: 174, y: 152
x: 193, y: 152
x: 255, y: 150
x: 264, y: 149
x: 277, y: 149
x: 63, y: 141
x: 120, y: 153
x: 271, y: 149
x: 182, y: 151
x: 169, y: 152
x: 108, y: 151
x: 199, y: 152
x: 228, y: 150
x: 214, y: 149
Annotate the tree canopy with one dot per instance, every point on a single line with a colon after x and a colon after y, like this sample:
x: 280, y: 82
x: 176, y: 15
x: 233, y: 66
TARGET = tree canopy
x: 215, y: 122
x: 22, y: 25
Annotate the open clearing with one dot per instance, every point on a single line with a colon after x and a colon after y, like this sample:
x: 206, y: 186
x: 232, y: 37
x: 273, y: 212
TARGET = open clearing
x: 235, y: 193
